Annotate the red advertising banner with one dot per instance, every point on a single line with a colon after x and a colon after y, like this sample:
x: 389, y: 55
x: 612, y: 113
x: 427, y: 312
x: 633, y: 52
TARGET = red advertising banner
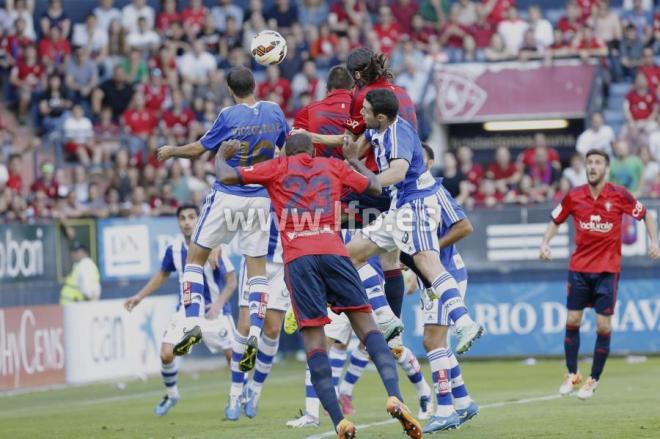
x: 511, y: 91
x: 31, y: 346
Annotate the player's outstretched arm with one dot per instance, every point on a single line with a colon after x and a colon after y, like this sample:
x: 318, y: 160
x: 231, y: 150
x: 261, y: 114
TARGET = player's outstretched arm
x: 225, y: 173
x: 326, y: 139
x: 154, y: 283
x: 652, y: 232
x: 189, y: 151
x: 550, y: 232
x: 458, y: 231
x: 351, y: 152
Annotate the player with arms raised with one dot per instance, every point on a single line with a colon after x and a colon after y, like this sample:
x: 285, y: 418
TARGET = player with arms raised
x: 305, y: 192
x: 230, y: 211
x: 597, y: 208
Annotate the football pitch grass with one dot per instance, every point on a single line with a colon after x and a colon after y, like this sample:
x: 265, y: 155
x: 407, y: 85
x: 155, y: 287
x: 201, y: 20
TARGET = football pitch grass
x: 518, y: 401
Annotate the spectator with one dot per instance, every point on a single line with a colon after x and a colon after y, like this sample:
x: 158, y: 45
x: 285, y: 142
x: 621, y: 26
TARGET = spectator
x: 558, y: 49
x: 482, y: 31
x: 640, y: 109
x: 196, y: 68
x: 651, y: 172
x: 193, y: 16
x: 179, y: 182
x: 81, y: 77
x: 315, y: 12
x: 177, y: 121
x: 529, y: 49
x: 275, y: 84
x: 46, y: 182
x: 112, y: 201
x: 570, y: 23
x: 284, y: 13
x: 80, y: 186
x: 587, y: 45
x: 143, y: 38
x: 598, y: 136
x: 497, y: 51
x: 650, y: 69
x: 27, y: 79
x: 346, y: 14
x: 308, y: 81
x: 135, y: 67
x: 23, y: 9
x: 576, y: 174
x: 138, y: 207
x: 529, y: 156
x: 107, y: 134
x: 212, y: 39
x: 92, y: 37
x: 54, y: 51
x: 543, y: 174
x: 95, y: 205
x: 420, y: 32
x: 53, y: 105
x: 84, y: 282
x: 413, y: 79
x: 512, y: 30
x: 133, y: 11
x: 106, y: 13
x: 79, y: 138
x: 654, y: 140
x: 14, y: 44
x: 497, y: 10
x: 115, y: 93
x: 542, y: 29
x: 626, y: 169
x: 607, y: 27
x: 117, y: 48
x: 156, y: 92
x: 140, y: 123
x: 166, y: 17
x: 504, y: 173
x: 472, y: 171
x: 453, y: 179
x: 40, y: 207
x: 54, y: 16
x: 14, y: 173
x: 322, y: 47
x: 641, y: 19
x: 225, y: 9
x: 452, y: 33
x: 165, y: 61
x: 631, y: 52
x: 467, y: 15
x: 487, y: 195
x: 164, y: 203
x: 563, y: 189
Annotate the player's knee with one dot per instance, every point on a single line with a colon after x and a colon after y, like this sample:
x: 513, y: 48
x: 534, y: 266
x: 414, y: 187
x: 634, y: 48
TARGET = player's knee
x: 166, y: 354
x: 603, y: 327
x: 573, y: 319
x: 272, y: 330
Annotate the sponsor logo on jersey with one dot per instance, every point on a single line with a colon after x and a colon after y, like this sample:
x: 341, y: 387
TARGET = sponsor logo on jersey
x: 595, y: 225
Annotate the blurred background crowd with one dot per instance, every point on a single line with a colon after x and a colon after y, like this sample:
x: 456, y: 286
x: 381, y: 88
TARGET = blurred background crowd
x: 87, y: 98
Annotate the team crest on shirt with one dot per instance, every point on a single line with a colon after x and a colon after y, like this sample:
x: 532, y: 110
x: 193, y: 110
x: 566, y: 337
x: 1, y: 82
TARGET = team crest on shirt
x: 608, y: 206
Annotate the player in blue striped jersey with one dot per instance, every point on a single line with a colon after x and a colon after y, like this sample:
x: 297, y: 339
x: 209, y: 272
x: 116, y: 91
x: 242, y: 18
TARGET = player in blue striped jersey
x: 219, y: 283
x: 247, y: 395
x: 240, y: 211
x: 454, y: 403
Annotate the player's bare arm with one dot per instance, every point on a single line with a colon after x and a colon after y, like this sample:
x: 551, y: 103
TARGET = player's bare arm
x: 458, y: 231
x: 226, y: 174
x: 550, y: 232
x: 351, y: 154
x: 652, y: 232
x: 395, y: 173
x: 156, y: 281
x: 189, y: 151
x: 224, y: 296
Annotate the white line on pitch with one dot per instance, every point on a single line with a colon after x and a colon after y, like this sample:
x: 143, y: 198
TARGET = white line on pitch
x: 485, y: 406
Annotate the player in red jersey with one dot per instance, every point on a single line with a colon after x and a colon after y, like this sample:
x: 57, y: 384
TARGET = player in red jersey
x: 305, y: 193
x: 328, y: 115
x: 597, y: 209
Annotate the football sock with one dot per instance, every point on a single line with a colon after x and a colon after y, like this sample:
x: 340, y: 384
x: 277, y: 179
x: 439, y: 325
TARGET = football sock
x: 193, y: 290
x: 311, y: 400
x: 337, y: 359
x: 257, y: 303
x: 169, y: 373
x: 321, y: 377
x: 237, y: 377
x: 410, y: 365
x: 394, y: 290
x: 265, y: 355
x: 601, y: 351
x: 458, y: 390
x: 446, y: 288
x: 356, y: 365
x: 572, y: 347
x: 440, y: 365
x: 372, y: 284
x: 384, y: 361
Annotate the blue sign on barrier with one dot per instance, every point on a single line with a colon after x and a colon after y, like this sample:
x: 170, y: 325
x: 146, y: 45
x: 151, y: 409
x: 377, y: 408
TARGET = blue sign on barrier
x: 528, y: 318
x: 133, y: 249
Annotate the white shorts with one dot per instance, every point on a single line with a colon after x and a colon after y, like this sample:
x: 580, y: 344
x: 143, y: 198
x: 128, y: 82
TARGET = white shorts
x: 435, y: 313
x: 339, y: 328
x: 225, y: 216
x: 412, y: 228
x: 278, y: 294
x: 217, y: 334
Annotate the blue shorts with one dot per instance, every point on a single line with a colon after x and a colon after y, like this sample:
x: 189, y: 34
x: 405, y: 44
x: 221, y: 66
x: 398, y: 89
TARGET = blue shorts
x: 592, y: 290
x: 363, y: 209
x: 318, y: 281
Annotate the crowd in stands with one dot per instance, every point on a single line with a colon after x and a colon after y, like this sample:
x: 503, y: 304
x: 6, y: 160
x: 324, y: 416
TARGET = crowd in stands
x: 96, y: 97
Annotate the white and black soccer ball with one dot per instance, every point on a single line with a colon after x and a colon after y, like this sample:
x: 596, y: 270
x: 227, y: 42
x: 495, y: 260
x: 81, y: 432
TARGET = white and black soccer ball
x: 268, y: 47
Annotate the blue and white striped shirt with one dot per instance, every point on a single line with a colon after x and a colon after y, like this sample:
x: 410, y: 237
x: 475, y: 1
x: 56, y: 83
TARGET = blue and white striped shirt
x: 452, y: 212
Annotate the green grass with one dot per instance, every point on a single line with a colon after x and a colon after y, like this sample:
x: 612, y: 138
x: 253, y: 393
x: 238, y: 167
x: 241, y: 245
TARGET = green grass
x: 627, y: 405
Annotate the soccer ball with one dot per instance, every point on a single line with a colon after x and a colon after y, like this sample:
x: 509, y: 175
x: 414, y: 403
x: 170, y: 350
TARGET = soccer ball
x: 268, y: 47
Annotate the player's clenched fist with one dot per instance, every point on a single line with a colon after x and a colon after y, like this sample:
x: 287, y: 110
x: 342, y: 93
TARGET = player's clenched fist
x: 654, y: 252
x: 228, y: 148
x: 350, y: 148
x: 544, y: 253
x: 165, y: 152
x: 132, y: 302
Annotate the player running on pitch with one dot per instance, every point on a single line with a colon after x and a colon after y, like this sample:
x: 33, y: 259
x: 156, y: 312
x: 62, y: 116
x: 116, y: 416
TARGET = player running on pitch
x: 234, y: 211
x: 219, y: 284
x: 305, y: 192
x: 597, y: 208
